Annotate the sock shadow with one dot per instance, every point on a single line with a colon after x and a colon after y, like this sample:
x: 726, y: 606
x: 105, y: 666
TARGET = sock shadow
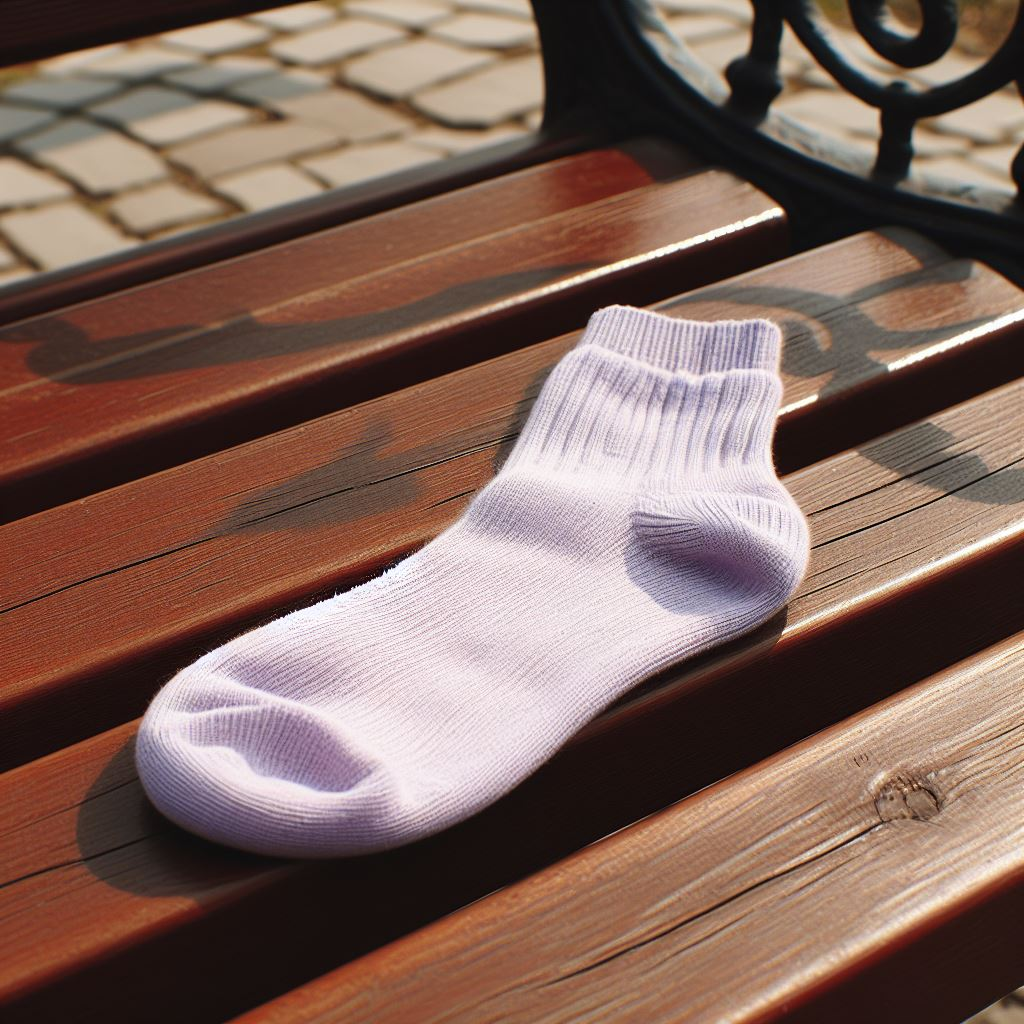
x: 62, y: 351
x: 364, y: 479
x: 756, y: 642
x: 962, y: 473
x: 126, y: 843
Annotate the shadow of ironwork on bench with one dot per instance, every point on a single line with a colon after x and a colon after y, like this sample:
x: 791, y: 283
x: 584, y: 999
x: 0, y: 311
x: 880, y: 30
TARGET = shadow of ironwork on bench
x: 63, y: 351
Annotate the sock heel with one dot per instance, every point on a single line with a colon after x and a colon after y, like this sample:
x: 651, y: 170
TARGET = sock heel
x: 755, y: 545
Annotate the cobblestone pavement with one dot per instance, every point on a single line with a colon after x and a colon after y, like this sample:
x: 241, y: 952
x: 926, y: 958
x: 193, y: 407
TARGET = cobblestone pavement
x: 106, y: 148
x: 103, y: 149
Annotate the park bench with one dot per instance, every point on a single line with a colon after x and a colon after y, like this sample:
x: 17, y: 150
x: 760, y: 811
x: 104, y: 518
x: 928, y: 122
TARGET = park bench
x: 821, y: 821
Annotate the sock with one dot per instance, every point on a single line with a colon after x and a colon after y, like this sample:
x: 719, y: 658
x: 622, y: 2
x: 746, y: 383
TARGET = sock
x: 637, y: 521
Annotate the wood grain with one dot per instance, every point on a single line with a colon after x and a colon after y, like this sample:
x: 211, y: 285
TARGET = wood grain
x: 133, y: 383
x: 909, y: 531
x: 243, y: 235
x: 888, y: 848
x: 120, y: 589
x: 271, y: 273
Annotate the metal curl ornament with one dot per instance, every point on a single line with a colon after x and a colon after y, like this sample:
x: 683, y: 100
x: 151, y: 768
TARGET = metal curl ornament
x: 933, y: 39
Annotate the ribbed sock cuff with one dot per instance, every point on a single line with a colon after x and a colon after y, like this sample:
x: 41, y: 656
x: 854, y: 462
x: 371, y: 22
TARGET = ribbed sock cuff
x: 604, y: 412
x: 692, y: 346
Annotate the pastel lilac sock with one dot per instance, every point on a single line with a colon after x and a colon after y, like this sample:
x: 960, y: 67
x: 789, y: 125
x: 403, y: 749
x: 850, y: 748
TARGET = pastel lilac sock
x: 637, y: 521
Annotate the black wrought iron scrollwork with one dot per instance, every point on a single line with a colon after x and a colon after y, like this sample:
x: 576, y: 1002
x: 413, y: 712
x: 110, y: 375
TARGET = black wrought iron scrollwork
x: 932, y: 41
x: 615, y: 67
x: 755, y: 82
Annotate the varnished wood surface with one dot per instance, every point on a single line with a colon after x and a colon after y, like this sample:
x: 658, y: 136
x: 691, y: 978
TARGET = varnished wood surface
x: 917, y: 541
x: 874, y: 872
x: 130, y: 384
x: 242, y: 235
x: 120, y: 589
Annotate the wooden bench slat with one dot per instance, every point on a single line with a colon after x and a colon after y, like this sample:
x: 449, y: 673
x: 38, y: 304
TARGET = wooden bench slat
x: 881, y: 860
x: 245, y: 235
x: 281, y: 272
x: 100, y: 393
x: 123, y: 587
x: 908, y: 532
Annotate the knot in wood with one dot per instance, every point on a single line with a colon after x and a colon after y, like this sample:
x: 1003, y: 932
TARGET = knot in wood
x: 903, y: 796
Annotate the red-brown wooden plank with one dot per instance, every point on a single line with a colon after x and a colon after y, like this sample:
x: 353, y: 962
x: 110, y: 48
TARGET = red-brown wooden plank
x: 44, y: 292
x: 917, y: 541
x: 285, y: 272
x: 132, y: 383
x: 880, y: 862
x: 120, y: 589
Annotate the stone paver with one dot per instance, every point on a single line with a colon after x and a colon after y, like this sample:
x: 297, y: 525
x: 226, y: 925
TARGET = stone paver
x: 959, y: 171
x: 488, y: 97
x: 64, y: 93
x: 15, y: 121
x: 855, y: 51
x: 696, y: 28
x: 452, y: 142
x: 410, y: 13
x: 927, y: 143
x: 818, y: 78
x: 489, y: 30
x: 717, y: 53
x: 398, y: 71
x: 296, y: 18
x: 221, y: 74
x: 516, y: 8
x: 163, y: 206
x: 264, y: 187
x: 217, y: 37
x: 72, y: 63
x: 360, y: 163
x: 347, y: 114
x: 22, y: 185
x: 996, y: 158
x: 64, y: 233
x: 98, y: 160
x: 831, y: 110
x: 284, y: 84
x: 239, y: 148
x: 335, y: 42
x: 738, y: 10
x: 947, y: 69
x: 140, y: 63
x: 988, y: 121
x: 162, y: 116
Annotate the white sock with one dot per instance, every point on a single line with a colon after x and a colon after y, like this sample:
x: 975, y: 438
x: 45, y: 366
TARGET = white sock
x: 637, y: 521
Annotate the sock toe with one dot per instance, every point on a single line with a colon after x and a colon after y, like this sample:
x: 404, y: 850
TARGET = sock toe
x: 247, y: 768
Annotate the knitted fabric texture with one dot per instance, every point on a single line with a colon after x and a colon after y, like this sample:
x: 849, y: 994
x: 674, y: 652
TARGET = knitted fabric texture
x: 637, y: 521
